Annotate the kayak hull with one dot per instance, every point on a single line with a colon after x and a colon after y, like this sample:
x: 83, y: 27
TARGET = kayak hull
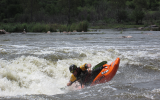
x: 107, y: 73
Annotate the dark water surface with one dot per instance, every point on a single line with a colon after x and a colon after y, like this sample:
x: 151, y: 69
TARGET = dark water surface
x: 34, y: 66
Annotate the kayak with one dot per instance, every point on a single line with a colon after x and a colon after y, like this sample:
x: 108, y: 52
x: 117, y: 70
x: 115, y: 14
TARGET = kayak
x: 106, y: 74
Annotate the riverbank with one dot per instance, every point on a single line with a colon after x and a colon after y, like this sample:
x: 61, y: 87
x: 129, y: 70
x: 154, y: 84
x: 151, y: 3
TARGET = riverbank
x: 126, y: 26
x: 43, y: 27
x: 82, y: 26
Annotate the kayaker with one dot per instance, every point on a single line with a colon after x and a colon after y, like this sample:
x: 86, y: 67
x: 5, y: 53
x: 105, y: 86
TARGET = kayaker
x: 83, y: 74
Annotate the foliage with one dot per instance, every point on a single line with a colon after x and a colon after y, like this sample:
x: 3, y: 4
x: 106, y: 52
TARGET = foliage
x: 138, y: 15
x: 42, y: 27
x: 82, y: 26
x: 49, y: 13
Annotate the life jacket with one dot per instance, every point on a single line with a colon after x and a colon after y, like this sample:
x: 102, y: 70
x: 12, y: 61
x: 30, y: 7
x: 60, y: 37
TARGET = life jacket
x: 83, y: 76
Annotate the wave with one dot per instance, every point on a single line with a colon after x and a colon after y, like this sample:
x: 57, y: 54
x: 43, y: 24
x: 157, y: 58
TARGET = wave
x: 45, y: 73
x: 31, y: 75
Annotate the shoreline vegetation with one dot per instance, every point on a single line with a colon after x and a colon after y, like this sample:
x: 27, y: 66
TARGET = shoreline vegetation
x: 82, y: 26
x: 78, y: 15
x: 43, y: 27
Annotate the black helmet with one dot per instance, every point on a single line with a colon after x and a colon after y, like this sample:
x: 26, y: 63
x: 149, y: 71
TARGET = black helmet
x: 72, y: 68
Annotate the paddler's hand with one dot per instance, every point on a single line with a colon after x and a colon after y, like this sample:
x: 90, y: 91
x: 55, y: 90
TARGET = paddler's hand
x: 69, y: 84
x: 89, y: 70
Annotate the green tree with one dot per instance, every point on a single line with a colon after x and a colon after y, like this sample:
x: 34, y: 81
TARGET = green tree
x: 138, y: 15
x: 68, y: 8
x: 153, y: 4
x: 140, y: 3
x: 14, y: 9
x: 121, y: 16
x: 31, y: 7
x: 10, y: 8
x: 2, y: 9
x: 117, y: 8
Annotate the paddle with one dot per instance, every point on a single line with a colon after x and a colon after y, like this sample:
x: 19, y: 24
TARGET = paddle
x: 99, y: 65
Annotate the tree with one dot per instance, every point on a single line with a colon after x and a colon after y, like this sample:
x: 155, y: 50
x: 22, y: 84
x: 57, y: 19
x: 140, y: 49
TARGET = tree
x: 153, y: 4
x: 9, y: 9
x: 121, y: 16
x: 140, y: 3
x: 118, y: 8
x: 14, y: 9
x: 138, y: 15
x: 101, y: 9
x: 68, y: 8
x: 30, y: 7
x: 2, y: 9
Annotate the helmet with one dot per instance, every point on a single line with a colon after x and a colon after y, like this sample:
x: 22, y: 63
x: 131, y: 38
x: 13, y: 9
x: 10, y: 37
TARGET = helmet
x: 72, y: 68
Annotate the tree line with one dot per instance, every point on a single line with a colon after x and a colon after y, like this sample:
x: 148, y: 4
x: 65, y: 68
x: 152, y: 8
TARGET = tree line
x: 71, y: 11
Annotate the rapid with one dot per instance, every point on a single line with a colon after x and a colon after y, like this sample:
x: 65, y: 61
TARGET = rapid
x: 34, y: 66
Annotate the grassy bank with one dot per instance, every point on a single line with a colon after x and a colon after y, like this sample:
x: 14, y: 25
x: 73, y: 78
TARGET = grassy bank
x: 79, y: 27
x: 144, y: 27
x: 113, y: 26
x: 43, y: 27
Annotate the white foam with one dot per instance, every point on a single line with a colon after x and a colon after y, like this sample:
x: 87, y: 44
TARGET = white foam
x: 34, y: 75
x: 19, y: 46
x: 31, y: 75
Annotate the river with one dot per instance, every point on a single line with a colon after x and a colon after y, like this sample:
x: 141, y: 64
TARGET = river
x: 34, y: 66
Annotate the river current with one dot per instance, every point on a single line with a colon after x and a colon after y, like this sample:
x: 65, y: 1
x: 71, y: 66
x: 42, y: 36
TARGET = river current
x: 34, y: 66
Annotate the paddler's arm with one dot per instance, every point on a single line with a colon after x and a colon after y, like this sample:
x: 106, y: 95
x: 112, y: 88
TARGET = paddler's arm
x: 89, y: 68
x: 69, y: 83
x: 72, y: 80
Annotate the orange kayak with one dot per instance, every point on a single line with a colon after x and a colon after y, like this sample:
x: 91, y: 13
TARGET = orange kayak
x: 107, y: 73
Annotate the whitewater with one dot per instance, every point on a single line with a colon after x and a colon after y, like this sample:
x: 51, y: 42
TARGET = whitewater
x: 36, y: 65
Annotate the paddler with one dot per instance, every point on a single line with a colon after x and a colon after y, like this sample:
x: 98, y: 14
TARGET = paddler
x: 83, y: 74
